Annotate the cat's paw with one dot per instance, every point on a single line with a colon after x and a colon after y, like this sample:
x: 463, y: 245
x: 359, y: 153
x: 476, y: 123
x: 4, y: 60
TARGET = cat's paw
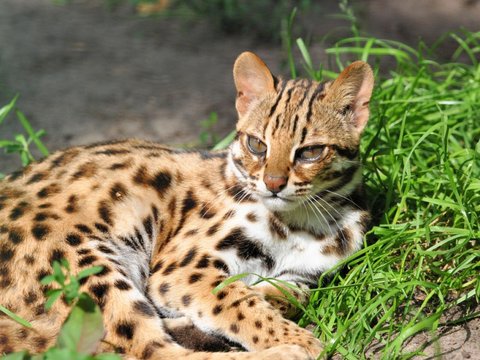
x: 309, y: 342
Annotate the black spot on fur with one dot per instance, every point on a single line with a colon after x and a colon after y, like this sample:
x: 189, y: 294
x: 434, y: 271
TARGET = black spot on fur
x: 105, y: 212
x: 30, y: 298
x: 246, y: 248
x: 194, y: 278
x: 40, y: 343
x: 73, y: 239
x: 105, y: 271
x: 83, y: 251
x: 6, y: 254
x: 56, y: 255
x: 186, y: 300
x: 49, y: 190
x: 234, y: 328
x: 277, y: 228
x: 220, y: 265
x: 18, y: 211
x: 252, y: 217
x: 204, y: 262
x: 221, y: 295
x: 37, y: 177
x: 239, y: 194
x: 29, y: 259
x: 164, y: 288
x: 217, y: 309
x: 157, y: 267
x: 83, y: 228
x: 105, y: 249
x: 15, y: 175
x: 188, y: 203
x: 170, y: 268
x: 118, y: 192
x: 206, y: 212
x: 87, y: 260
x: 143, y: 308
x: 191, y: 232
x: 87, y: 170
x: 16, y: 235
x: 112, y: 152
x: 149, y: 350
x: 122, y: 285
x: 101, y: 227
x: 40, y: 231
x: 161, y: 181
x: 148, y: 226
x: 41, y: 274
x: 126, y: 330
x: 213, y: 229
x: 120, y: 165
x: 72, y: 205
x: 189, y: 257
x: 99, y: 290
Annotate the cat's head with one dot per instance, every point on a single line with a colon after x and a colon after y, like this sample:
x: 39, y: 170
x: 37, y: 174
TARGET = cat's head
x: 297, y: 138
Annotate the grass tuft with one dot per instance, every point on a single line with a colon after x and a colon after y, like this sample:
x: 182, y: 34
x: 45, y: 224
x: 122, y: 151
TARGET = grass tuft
x: 421, y: 153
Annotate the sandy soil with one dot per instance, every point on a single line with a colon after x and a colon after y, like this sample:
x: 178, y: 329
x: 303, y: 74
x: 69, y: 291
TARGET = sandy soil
x: 86, y: 74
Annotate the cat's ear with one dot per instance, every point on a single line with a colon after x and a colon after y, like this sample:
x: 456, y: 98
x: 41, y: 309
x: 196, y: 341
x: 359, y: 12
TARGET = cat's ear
x: 352, y: 91
x: 253, y: 80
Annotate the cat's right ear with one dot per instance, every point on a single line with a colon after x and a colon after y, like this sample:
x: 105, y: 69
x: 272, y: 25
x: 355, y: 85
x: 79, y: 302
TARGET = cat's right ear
x: 253, y: 80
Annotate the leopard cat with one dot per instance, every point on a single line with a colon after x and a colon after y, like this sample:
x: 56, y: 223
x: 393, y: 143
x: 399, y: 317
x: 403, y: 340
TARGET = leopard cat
x: 168, y: 226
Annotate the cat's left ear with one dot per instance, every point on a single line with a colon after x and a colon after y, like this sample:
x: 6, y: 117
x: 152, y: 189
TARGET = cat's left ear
x: 253, y: 80
x: 352, y: 91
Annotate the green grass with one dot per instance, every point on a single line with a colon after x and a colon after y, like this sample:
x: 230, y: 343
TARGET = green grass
x: 421, y: 154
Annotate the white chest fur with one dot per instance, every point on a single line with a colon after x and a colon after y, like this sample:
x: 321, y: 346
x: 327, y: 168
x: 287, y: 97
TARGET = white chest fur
x: 297, y: 256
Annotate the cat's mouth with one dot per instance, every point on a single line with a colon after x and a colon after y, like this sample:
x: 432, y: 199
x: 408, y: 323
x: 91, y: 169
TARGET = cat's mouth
x: 275, y: 202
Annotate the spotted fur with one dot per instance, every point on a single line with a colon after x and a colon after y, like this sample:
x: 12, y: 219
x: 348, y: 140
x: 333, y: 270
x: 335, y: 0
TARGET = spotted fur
x: 169, y: 225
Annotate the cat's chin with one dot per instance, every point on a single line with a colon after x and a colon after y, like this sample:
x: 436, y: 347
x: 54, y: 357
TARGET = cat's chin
x: 278, y: 204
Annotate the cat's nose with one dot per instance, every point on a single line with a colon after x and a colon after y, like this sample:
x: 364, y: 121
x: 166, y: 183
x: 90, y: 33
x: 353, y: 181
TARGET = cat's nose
x: 275, y: 183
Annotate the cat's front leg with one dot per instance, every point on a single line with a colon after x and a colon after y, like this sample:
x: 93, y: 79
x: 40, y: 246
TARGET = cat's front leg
x: 237, y: 312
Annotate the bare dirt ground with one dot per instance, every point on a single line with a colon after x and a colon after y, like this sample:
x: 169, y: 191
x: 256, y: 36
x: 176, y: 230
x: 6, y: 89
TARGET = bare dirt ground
x: 85, y: 74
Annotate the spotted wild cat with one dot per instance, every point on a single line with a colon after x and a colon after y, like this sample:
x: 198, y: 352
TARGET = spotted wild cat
x: 169, y: 225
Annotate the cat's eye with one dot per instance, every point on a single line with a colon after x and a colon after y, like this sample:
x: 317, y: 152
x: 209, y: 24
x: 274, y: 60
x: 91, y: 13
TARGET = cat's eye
x: 310, y: 153
x: 256, y: 146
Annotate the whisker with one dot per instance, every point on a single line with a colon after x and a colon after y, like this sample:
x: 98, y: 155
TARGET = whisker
x: 344, y: 197
x: 333, y: 218
x: 314, y: 207
x: 327, y: 203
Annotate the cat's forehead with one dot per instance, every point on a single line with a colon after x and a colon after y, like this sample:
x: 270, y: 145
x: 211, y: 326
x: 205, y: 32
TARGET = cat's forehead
x: 296, y: 113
